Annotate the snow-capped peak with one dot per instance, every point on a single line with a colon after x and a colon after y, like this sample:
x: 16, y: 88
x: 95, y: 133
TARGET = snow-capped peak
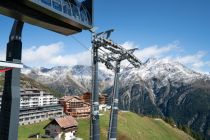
x: 162, y: 69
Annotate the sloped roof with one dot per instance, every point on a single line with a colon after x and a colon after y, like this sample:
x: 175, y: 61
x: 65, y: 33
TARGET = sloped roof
x: 64, y: 122
x: 67, y: 98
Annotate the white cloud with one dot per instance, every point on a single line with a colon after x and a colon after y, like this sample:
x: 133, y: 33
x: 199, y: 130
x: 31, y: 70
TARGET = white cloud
x: 171, y: 52
x: 51, y: 55
x: 54, y: 55
x: 151, y: 51
x: 129, y: 45
x: 83, y: 58
x: 155, y: 51
x: 42, y: 53
x: 190, y: 59
x: 195, y: 61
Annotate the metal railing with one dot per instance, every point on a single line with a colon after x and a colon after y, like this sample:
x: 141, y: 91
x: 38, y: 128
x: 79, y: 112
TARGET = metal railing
x: 67, y: 9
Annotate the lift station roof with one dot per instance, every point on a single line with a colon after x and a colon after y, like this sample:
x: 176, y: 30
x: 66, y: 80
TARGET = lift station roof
x: 62, y: 16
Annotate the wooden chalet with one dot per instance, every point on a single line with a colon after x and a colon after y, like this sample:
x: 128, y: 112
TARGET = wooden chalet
x: 62, y: 128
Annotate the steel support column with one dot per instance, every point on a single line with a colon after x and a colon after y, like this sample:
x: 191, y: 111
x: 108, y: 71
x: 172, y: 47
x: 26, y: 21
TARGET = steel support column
x: 9, y: 117
x: 112, y: 132
x: 115, y: 53
x: 94, y: 122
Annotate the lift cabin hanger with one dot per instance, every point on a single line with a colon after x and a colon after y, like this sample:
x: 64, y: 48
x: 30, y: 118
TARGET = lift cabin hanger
x: 62, y: 16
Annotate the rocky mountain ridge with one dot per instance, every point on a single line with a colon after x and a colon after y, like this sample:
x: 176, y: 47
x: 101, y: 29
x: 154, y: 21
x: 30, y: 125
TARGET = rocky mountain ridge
x: 159, y: 87
x: 69, y: 80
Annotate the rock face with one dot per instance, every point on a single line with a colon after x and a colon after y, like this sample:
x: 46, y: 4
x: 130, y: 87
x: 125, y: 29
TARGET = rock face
x: 168, y: 89
x: 159, y: 87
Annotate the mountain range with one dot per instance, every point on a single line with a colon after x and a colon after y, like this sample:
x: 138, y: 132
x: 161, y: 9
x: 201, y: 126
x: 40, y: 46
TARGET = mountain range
x: 159, y: 87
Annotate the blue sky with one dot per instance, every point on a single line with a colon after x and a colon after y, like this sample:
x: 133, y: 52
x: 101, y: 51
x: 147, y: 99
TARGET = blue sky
x: 174, y: 29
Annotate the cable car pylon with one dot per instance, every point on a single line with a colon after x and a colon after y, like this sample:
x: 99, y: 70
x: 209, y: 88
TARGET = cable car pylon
x: 111, y: 52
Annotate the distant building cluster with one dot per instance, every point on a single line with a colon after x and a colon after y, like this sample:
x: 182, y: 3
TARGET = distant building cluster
x: 79, y: 106
x: 38, y: 105
x: 74, y: 107
x: 34, y: 97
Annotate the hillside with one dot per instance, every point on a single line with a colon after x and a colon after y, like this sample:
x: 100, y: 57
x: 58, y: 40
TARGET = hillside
x: 131, y: 127
x: 159, y: 87
x: 27, y: 82
x: 168, y: 89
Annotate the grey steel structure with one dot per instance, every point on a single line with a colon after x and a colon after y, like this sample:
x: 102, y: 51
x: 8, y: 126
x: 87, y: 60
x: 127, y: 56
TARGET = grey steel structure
x: 10, y: 106
x: 94, y: 121
x: 117, y: 54
x: 112, y: 132
x: 62, y: 16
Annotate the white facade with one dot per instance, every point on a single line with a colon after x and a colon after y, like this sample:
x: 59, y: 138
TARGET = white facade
x: 69, y: 135
x: 37, y: 106
x: 103, y: 107
x: 34, y: 98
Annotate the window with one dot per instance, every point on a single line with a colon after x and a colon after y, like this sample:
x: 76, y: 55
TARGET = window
x: 75, y: 11
x: 48, y: 2
x: 32, y: 118
x: 66, y: 10
x: 47, y: 132
x: 57, y: 5
x: 83, y: 16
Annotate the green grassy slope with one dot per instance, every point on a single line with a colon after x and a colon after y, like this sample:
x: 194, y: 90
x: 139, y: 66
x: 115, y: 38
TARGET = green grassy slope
x: 26, y: 130
x: 131, y: 127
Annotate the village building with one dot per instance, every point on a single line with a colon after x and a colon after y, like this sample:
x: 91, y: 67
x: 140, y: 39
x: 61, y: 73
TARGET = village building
x: 86, y: 97
x: 36, y: 106
x: 34, y: 97
x: 37, y: 114
x: 64, y: 128
x: 75, y: 106
x: 103, y: 100
x: 106, y: 98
